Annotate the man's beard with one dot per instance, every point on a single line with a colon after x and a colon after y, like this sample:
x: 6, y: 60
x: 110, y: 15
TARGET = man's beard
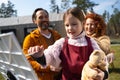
x: 44, y: 25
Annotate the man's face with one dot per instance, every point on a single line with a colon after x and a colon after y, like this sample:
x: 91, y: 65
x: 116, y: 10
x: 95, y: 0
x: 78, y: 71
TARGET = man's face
x: 42, y: 20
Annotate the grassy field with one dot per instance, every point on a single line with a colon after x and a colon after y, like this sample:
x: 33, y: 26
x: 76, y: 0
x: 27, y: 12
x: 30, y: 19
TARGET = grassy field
x: 114, y: 72
x: 1, y: 78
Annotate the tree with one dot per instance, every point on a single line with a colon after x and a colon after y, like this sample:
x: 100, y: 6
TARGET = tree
x: 54, y: 7
x: 7, y: 10
x: 84, y: 4
x: 115, y: 21
x: 106, y: 17
x: 65, y: 4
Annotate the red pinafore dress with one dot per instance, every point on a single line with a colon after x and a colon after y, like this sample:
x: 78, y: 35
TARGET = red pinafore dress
x: 73, y: 59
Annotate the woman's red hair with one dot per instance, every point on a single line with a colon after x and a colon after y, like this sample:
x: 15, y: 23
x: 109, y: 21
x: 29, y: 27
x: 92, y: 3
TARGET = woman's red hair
x: 99, y: 22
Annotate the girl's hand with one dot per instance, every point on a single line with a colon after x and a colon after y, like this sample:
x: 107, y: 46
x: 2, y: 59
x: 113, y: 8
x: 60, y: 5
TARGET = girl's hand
x: 98, y: 76
x: 52, y: 68
x: 36, y: 51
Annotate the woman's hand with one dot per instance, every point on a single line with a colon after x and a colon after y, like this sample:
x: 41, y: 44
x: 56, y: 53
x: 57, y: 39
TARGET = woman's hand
x: 110, y: 57
x: 36, y: 51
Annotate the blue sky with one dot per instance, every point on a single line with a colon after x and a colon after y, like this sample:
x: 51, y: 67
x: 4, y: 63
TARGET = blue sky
x: 26, y: 7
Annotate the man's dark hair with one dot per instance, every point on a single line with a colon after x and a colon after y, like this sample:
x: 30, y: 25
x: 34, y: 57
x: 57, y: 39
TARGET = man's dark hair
x: 35, y: 11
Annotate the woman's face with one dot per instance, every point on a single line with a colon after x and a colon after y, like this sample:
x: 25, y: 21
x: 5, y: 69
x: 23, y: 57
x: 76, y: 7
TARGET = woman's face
x: 73, y: 26
x: 89, y: 26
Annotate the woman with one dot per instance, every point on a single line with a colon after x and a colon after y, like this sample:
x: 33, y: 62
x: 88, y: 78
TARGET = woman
x: 95, y: 27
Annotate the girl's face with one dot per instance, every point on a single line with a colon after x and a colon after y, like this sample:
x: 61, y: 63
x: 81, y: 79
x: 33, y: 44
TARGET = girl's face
x: 73, y: 26
x: 89, y: 26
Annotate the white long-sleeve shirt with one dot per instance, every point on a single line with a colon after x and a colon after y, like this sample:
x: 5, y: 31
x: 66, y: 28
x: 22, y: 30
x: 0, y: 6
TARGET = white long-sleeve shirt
x: 52, y: 53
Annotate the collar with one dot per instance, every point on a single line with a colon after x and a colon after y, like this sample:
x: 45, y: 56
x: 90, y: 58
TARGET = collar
x: 80, y: 35
x: 47, y: 36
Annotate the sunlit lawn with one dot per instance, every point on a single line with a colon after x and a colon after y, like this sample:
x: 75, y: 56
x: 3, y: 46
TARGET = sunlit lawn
x: 115, y: 72
x: 1, y: 78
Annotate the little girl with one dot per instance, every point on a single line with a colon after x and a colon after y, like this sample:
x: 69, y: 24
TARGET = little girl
x: 72, y: 52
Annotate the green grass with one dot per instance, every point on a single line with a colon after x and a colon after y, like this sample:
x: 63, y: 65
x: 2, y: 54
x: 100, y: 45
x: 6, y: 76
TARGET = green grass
x: 1, y: 78
x: 114, y: 72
